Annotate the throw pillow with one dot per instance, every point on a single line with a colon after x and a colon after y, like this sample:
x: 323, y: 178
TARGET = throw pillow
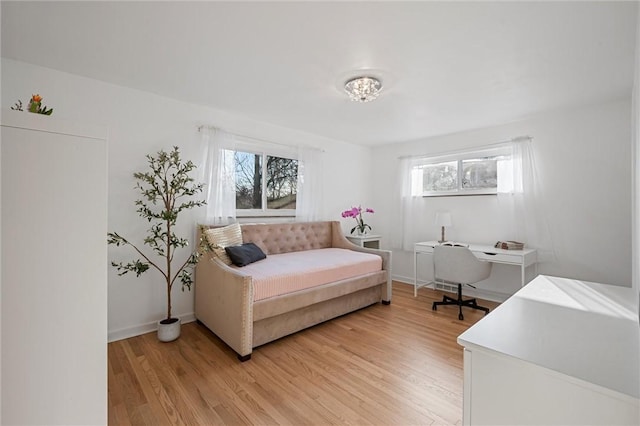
x: 245, y: 254
x: 219, y: 238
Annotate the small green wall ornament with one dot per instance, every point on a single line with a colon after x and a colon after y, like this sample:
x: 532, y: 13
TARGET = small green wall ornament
x: 35, y: 106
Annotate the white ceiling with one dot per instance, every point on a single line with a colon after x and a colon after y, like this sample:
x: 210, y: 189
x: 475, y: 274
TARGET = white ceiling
x: 445, y: 66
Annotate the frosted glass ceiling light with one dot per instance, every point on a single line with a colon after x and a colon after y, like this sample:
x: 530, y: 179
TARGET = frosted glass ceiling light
x: 363, y: 89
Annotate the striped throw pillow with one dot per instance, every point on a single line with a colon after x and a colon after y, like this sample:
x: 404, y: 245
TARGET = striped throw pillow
x: 219, y: 238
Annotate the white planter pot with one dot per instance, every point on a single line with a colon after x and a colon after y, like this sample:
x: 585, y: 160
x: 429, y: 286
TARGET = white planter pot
x: 169, y: 330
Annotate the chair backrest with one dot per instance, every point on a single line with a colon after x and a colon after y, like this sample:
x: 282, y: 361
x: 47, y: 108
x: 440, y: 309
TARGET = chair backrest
x: 459, y: 265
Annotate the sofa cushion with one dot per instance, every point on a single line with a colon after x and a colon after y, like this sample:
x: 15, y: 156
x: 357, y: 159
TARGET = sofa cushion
x: 219, y: 238
x: 244, y: 254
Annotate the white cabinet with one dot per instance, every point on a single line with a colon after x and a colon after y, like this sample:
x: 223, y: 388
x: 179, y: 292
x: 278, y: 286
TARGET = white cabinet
x: 559, y: 351
x: 54, y: 271
x: 368, y: 241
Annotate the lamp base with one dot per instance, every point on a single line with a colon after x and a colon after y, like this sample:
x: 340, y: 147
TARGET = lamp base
x: 442, y: 239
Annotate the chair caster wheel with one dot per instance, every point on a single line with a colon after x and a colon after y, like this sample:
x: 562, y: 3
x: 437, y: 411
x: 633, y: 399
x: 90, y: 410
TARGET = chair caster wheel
x: 434, y: 307
x: 461, y: 317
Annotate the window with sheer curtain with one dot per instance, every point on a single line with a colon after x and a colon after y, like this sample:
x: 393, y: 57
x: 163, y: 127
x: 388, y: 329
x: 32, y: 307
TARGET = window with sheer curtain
x: 265, y: 184
x: 506, y: 170
x: 247, y: 178
x: 477, y: 172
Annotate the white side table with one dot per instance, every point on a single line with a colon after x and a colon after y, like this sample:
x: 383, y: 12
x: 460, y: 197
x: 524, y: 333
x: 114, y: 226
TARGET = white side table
x: 368, y: 241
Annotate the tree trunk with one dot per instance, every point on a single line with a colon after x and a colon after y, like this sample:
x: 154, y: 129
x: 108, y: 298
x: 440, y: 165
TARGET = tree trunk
x: 257, y: 182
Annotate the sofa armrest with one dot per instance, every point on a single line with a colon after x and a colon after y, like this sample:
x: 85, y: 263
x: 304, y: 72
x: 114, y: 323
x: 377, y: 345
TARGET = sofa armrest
x: 339, y: 241
x: 224, y: 303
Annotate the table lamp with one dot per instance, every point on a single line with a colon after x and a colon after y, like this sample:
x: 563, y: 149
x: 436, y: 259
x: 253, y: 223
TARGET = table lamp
x: 443, y: 219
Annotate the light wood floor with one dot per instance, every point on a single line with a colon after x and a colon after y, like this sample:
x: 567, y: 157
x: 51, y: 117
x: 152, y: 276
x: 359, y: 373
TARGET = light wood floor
x: 383, y: 365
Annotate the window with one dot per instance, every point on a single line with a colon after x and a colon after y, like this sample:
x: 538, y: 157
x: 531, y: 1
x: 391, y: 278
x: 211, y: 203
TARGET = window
x: 265, y: 184
x: 469, y: 173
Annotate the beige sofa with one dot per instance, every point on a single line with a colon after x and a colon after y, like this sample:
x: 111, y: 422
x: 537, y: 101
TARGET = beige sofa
x: 224, y: 294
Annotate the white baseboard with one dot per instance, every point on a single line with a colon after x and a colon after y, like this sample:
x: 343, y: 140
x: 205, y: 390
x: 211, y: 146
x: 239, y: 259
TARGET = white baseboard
x: 493, y: 296
x: 125, y: 333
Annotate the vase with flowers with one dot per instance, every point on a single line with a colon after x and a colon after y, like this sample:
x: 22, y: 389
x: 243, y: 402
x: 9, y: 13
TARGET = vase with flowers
x: 356, y: 213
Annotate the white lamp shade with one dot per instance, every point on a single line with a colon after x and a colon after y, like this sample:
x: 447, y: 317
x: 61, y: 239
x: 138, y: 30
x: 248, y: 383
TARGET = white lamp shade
x: 443, y: 219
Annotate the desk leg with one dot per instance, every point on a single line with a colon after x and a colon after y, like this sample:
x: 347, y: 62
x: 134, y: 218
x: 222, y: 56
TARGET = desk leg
x: 415, y: 274
x: 433, y: 269
x: 523, y: 268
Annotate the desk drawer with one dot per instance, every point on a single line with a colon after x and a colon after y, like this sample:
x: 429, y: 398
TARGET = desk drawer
x: 499, y: 257
x: 423, y: 249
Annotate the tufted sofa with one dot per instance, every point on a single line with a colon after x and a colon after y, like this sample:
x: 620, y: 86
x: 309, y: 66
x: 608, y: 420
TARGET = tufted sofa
x: 225, y: 294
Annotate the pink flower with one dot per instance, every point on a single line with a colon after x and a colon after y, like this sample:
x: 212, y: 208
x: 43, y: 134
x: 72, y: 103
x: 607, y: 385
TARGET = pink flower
x: 356, y: 213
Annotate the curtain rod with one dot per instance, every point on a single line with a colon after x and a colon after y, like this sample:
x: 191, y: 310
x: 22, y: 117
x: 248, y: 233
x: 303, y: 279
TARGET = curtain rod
x: 460, y: 151
x: 254, y: 139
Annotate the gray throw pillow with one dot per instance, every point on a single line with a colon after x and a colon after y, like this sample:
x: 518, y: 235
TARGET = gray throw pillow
x: 244, y: 254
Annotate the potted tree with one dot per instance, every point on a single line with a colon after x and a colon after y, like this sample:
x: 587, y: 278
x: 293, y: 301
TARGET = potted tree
x: 165, y: 189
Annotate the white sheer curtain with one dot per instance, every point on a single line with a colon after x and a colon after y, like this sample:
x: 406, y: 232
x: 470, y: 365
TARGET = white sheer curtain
x: 406, y: 214
x: 520, y: 201
x: 309, y: 200
x: 218, y: 173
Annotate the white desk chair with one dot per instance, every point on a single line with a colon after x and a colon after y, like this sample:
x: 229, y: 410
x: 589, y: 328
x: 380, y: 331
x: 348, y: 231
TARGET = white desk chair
x: 458, y: 265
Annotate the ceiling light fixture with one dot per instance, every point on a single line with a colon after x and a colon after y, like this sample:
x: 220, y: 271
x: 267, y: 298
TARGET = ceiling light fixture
x: 363, y: 89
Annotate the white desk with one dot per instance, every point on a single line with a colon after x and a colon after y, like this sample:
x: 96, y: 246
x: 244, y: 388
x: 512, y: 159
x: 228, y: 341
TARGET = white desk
x: 559, y: 351
x: 521, y: 258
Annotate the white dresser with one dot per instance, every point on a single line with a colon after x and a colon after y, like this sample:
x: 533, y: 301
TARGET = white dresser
x: 560, y: 351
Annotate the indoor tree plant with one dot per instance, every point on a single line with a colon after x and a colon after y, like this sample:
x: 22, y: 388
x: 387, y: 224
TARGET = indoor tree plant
x: 165, y: 189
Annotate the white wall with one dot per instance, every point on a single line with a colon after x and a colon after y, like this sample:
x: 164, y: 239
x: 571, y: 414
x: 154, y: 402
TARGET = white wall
x: 0, y: 262
x: 635, y: 196
x: 636, y: 167
x: 583, y: 164
x: 141, y: 123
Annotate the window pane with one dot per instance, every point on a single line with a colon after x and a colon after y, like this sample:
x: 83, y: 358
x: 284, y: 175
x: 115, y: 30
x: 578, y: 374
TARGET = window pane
x: 248, y: 180
x: 479, y: 173
x: 282, y: 182
x: 440, y: 177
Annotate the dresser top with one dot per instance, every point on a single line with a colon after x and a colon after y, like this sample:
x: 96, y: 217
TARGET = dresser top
x: 585, y: 330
